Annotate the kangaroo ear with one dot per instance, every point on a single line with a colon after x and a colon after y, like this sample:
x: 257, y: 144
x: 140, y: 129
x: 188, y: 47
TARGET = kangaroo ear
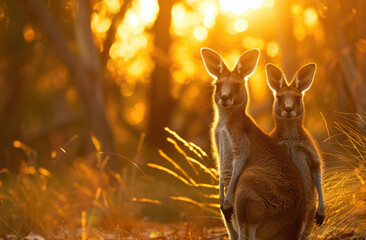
x: 247, y: 63
x: 213, y: 62
x: 304, y: 77
x: 275, y: 77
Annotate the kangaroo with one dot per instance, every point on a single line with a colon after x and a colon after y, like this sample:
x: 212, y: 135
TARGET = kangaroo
x: 289, y: 132
x: 261, y: 193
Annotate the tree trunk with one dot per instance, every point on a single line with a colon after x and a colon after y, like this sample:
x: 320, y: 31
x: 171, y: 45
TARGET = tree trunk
x: 10, y: 119
x: 160, y: 99
x: 17, y: 54
x: 354, y: 83
x: 94, y: 111
x: 287, y: 41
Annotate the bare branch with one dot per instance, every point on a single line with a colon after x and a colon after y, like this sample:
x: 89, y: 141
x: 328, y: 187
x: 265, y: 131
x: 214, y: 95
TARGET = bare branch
x: 111, y: 34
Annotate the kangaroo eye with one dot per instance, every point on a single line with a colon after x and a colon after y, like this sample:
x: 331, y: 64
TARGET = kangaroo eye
x: 298, y: 98
x: 279, y: 98
x: 236, y: 86
x: 218, y: 84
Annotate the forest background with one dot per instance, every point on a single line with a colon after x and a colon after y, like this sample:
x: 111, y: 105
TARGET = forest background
x: 105, y: 110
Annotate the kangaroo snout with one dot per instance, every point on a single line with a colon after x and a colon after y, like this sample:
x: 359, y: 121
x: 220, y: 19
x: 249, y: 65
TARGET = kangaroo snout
x: 289, y: 107
x: 225, y: 99
x: 225, y: 96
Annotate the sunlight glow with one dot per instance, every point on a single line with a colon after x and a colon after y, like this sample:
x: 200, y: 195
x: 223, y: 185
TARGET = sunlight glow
x: 209, y: 11
x: 137, y: 67
x: 100, y: 24
x: 44, y: 172
x: 299, y: 31
x: 251, y: 42
x: 29, y: 170
x: 200, y: 33
x: 184, y: 20
x: 192, y: 22
x: 310, y: 17
x: 272, y: 49
x: 127, y: 88
x: 136, y: 114
x: 239, y: 7
x: 185, y: 61
x: 133, y: 19
x: 269, y: 3
x: 178, y: 19
x: 113, y: 5
x: 148, y: 10
x: 53, y: 154
x: 305, y: 23
x: 17, y: 144
x: 240, y: 25
x: 179, y: 76
x: 297, y: 9
x: 130, y: 53
x: 28, y: 33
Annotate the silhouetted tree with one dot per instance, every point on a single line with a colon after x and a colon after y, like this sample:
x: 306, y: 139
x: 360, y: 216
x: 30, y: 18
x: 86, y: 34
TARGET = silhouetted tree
x: 160, y: 99
x: 84, y: 69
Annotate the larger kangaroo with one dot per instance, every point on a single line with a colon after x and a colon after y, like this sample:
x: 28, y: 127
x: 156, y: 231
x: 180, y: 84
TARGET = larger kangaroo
x: 288, y: 111
x: 262, y: 185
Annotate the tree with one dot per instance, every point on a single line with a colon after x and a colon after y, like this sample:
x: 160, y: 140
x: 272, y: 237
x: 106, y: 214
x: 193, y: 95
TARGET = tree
x: 286, y: 38
x: 84, y: 69
x: 10, y: 109
x: 160, y: 99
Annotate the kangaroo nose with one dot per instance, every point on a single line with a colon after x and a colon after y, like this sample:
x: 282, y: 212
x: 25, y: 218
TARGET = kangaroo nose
x: 289, y: 108
x: 225, y: 96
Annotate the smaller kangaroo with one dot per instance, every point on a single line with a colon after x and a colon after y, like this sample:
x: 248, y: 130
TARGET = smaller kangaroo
x: 264, y: 191
x: 289, y: 132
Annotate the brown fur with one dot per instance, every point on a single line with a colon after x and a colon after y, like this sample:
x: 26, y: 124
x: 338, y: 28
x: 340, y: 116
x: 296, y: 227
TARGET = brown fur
x: 290, y: 133
x: 268, y: 195
x: 269, y: 191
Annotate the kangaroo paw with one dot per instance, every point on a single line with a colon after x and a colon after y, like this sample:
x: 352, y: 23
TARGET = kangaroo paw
x: 227, y: 213
x: 319, y: 218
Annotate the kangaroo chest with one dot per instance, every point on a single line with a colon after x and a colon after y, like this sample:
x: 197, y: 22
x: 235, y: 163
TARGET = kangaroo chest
x: 302, y: 162
x: 298, y: 156
x: 225, y: 151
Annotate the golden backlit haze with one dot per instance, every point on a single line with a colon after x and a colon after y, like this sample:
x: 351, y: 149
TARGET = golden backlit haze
x: 192, y: 22
x: 230, y: 27
x: 134, y: 66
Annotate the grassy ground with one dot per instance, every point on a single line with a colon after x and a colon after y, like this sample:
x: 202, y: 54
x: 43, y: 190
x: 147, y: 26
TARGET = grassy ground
x: 91, y: 201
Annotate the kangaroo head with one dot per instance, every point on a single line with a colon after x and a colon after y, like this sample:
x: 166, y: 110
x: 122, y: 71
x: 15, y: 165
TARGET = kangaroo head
x: 230, y: 86
x: 289, y: 102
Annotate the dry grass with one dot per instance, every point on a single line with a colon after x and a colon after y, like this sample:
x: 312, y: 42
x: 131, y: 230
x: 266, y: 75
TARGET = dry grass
x: 203, y: 180
x: 38, y: 200
x: 91, y: 201
x: 344, y: 183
